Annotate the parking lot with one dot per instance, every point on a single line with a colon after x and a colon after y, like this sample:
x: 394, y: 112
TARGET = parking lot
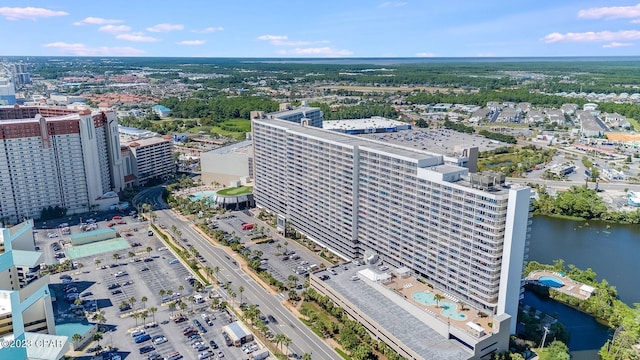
x: 278, y: 259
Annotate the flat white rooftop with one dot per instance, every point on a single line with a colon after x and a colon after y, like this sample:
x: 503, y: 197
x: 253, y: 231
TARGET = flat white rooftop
x: 375, y: 122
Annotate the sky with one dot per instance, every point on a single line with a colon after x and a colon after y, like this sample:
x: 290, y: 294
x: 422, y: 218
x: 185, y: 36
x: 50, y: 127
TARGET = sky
x: 325, y: 28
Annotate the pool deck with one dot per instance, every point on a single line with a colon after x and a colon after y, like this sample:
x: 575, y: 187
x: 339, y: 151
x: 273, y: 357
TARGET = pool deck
x: 409, y: 285
x: 570, y: 287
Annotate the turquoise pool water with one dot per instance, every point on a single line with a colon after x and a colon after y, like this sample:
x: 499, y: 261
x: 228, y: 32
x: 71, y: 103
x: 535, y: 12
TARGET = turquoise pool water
x: 551, y: 281
x: 209, y: 194
x: 448, y: 307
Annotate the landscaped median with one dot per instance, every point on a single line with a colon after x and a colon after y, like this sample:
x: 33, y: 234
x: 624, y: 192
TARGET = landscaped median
x: 179, y: 254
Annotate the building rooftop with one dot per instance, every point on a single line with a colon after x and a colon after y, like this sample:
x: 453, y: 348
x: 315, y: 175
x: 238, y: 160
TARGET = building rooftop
x: 45, y: 346
x: 149, y: 141
x: 26, y: 258
x: 375, y: 122
x: 92, y: 233
x: 292, y: 111
x: 242, y: 147
x: 393, y: 317
x: 440, y: 141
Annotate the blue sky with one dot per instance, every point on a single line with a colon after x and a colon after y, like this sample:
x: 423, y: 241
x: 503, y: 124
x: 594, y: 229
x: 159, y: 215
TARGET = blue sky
x: 326, y: 28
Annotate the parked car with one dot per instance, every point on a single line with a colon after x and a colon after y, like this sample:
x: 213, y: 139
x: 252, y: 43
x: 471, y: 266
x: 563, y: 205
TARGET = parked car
x: 142, y: 338
x: 147, y: 348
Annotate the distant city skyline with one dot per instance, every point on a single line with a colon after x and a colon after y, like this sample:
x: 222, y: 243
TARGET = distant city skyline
x: 355, y: 28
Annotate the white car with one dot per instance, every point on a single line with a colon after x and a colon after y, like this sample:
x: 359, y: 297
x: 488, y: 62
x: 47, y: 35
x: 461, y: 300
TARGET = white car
x: 160, y: 340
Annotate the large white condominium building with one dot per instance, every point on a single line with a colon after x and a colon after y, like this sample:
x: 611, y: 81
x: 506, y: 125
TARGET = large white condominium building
x: 464, y: 233
x: 56, y: 157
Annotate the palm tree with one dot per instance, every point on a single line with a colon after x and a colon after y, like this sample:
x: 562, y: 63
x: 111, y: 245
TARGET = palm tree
x: 149, y: 250
x: 144, y: 301
x: 180, y: 288
x: 172, y: 307
x: 161, y: 292
x: 182, y: 306
x: 192, y: 301
x: 144, y: 316
x: 286, y: 342
x: 76, y: 338
x: 97, y: 262
x: 215, y: 303
x: 153, y: 311
x: 174, y: 229
x: 169, y: 292
x: 97, y: 337
x: 232, y: 294
x: 116, y: 257
x: 216, y: 270
x: 278, y: 339
x: 209, y: 271
x: 278, y: 246
x: 132, y: 300
x: 136, y: 316
x: 178, y: 233
x: 285, y: 247
x: 306, y: 356
x: 241, y: 290
x: 438, y: 298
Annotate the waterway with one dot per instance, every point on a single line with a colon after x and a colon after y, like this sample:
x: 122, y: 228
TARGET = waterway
x: 611, y: 251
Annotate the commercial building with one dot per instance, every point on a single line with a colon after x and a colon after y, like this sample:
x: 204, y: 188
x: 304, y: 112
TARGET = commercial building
x: 463, y: 232
x: 26, y: 313
x: 227, y: 164
x: 153, y: 158
x: 374, y: 124
x: 56, y: 157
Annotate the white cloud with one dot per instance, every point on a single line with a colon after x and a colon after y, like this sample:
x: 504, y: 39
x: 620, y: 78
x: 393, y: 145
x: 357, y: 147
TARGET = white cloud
x: 273, y: 37
x: 392, y: 4
x: 425, y: 54
x: 317, y: 51
x: 283, y: 40
x: 165, y: 27
x: 613, y: 12
x: 208, y: 30
x: 593, y: 36
x: 115, y: 29
x: 97, y: 21
x: 83, y: 50
x: 616, y: 45
x: 191, y: 42
x: 32, y: 13
x: 136, y: 37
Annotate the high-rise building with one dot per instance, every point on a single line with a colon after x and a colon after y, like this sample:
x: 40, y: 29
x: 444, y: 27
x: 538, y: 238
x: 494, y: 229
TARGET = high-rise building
x: 7, y: 92
x: 309, y: 116
x: 26, y: 313
x: 56, y: 157
x: 463, y: 232
x: 153, y: 158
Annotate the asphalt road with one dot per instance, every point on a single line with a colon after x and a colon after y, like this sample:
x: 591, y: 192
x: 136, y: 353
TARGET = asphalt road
x: 303, y: 340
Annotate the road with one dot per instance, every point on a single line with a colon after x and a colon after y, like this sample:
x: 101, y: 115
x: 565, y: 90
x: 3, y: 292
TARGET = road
x: 303, y: 340
x: 614, y: 186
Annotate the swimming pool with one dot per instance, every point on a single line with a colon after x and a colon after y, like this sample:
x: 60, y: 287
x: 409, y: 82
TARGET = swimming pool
x: 551, y: 281
x: 448, y: 307
x: 202, y: 194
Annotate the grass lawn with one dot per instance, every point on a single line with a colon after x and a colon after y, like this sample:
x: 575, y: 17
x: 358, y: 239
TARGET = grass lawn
x: 233, y: 128
x: 634, y: 123
x: 235, y: 190
x: 314, y: 308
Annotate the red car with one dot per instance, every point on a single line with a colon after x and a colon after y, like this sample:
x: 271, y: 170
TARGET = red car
x: 110, y: 224
x: 117, y: 217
